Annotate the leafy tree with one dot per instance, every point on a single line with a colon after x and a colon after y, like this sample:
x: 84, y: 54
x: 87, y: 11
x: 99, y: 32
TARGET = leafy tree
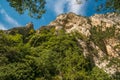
x: 99, y: 74
x: 16, y: 71
x: 109, y: 5
x: 98, y: 35
x: 35, y: 8
x: 47, y: 56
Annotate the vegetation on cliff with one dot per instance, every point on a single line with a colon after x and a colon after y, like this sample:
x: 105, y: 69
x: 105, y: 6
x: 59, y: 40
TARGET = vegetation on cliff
x: 45, y: 56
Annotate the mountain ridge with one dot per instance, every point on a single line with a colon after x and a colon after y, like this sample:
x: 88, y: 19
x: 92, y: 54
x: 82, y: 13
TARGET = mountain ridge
x: 98, y: 36
x: 71, y: 23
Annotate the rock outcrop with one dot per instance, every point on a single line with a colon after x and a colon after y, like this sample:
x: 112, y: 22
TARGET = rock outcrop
x: 108, y: 56
x: 101, y: 34
x: 24, y: 30
x: 72, y: 22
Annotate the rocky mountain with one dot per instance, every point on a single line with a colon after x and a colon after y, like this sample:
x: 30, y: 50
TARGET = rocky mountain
x: 107, y: 48
x: 70, y: 45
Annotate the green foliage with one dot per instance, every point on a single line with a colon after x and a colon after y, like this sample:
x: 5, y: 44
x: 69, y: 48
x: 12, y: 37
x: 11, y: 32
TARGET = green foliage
x: 45, y: 56
x: 105, y: 5
x: 108, y: 5
x: 35, y: 8
x: 11, y: 40
x: 79, y: 36
x: 98, y: 35
x: 114, y: 61
x: 99, y: 74
x: 16, y: 71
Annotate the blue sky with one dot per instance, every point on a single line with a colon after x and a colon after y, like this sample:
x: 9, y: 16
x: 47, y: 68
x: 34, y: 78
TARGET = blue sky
x: 10, y: 18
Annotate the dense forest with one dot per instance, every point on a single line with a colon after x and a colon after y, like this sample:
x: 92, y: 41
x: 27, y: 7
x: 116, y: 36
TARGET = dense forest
x: 47, y: 55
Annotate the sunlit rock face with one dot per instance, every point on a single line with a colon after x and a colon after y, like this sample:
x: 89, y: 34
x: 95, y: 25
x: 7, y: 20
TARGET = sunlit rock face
x: 108, y: 20
x: 104, y: 53
x: 71, y: 22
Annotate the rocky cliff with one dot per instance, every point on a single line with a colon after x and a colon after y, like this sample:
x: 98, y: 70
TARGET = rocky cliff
x: 99, y: 36
x: 102, y: 34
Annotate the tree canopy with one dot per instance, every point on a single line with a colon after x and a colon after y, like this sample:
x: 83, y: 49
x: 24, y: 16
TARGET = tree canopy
x: 109, y: 5
x: 35, y: 8
x: 45, y: 56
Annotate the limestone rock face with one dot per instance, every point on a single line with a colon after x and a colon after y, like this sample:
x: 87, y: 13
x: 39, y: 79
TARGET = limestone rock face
x: 102, y: 46
x: 71, y: 22
x: 107, y: 20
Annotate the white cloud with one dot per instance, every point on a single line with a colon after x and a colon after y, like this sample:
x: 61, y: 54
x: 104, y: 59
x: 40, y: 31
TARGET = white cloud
x: 8, y: 19
x: 59, y: 6
x: 2, y: 27
x: 75, y: 7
